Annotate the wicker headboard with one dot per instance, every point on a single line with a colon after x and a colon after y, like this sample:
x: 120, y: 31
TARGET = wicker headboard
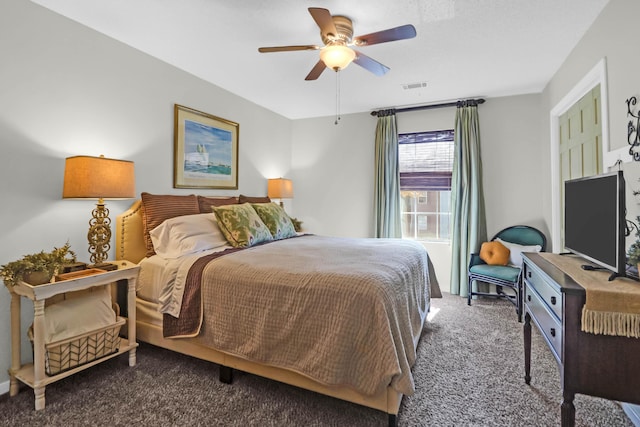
x: 130, y: 244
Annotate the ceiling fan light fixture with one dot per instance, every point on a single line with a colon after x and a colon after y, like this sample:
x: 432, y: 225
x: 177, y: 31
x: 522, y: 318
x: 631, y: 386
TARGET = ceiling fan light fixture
x: 336, y: 32
x: 337, y: 57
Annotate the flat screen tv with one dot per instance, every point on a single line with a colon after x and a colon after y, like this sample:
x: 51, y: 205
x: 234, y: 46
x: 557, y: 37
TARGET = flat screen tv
x: 594, y: 220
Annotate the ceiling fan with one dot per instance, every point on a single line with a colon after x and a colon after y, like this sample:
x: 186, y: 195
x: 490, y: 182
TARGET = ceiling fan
x: 337, y: 35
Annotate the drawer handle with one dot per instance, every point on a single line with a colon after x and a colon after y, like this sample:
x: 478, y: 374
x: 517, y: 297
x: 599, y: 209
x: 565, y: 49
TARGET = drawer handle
x: 553, y: 332
x: 529, y: 274
x: 529, y: 298
x: 553, y: 300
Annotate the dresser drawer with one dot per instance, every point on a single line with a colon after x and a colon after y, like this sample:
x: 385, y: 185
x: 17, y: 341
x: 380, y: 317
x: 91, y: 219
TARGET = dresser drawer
x: 547, y: 322
x: 551, y: 296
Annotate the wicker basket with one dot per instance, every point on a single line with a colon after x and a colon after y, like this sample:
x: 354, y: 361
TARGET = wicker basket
x: 66, y: 354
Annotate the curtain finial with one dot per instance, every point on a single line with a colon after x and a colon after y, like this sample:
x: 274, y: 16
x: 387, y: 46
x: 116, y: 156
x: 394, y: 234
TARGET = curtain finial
x: 469, y: 102
x: 387, y: 112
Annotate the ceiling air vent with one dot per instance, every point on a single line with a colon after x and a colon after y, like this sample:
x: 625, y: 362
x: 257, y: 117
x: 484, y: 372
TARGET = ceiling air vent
x: 417, y: 85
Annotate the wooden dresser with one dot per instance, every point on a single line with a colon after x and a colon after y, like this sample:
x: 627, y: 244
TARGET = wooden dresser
x: 597, y: 365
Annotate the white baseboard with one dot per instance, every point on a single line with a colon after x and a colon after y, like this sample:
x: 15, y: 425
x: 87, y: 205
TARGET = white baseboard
x: 633, y: 412
x: 4, y: 388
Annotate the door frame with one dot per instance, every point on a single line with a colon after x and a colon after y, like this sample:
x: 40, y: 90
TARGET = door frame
x: 597, y: 76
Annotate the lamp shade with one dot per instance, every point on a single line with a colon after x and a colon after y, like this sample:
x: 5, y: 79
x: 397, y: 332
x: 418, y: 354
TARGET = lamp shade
x: 337, y: 57
x: 89, y: 177
x: 280, y: 188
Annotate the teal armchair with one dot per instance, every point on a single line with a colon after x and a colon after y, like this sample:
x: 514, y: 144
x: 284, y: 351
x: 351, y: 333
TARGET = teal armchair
x: 518, y: 238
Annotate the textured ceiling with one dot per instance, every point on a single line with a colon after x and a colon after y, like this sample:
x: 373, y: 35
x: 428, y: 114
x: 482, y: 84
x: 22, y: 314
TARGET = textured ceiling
x: 463, y: 48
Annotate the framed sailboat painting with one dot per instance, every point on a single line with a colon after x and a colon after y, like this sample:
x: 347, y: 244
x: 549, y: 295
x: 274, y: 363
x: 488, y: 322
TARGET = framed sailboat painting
x: 205, y: 150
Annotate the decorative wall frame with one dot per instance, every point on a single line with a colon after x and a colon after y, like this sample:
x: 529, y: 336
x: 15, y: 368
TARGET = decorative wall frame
x: 633, y: 128
x: 205, y: 150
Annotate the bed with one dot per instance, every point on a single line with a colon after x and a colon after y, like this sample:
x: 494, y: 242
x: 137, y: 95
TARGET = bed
x: 289, y: 309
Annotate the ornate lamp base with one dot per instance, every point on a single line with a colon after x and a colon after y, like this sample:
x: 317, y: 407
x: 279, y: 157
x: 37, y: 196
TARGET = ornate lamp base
x: 99, y: 237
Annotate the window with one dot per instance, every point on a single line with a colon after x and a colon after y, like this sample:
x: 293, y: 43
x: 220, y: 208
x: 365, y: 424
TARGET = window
x: 426, y: 163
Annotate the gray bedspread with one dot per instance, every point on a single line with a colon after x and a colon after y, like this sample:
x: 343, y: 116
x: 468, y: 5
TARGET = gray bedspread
x: 345, y: 312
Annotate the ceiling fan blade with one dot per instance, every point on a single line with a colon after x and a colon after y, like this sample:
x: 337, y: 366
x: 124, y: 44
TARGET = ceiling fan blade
x: 287, y: 48
x: 316, y: 71
x: 392, y: 34
x: 370, y: 64
x: 324, y: 20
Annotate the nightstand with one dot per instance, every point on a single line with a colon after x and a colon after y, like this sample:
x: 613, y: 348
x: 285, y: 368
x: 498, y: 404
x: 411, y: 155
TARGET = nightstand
x: 34, y: 374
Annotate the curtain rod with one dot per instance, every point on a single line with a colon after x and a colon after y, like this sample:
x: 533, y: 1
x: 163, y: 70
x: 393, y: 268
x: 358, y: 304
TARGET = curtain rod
x: 384, y: 112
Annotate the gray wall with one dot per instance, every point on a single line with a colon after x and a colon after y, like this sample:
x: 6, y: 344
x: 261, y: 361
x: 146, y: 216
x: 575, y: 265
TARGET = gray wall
x: 612, y: 36
x: 333, y: 166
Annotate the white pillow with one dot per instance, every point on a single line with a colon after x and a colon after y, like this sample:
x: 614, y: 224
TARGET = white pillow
x: 187, y: 234
x: 78, y: 315
x: 515, y: 251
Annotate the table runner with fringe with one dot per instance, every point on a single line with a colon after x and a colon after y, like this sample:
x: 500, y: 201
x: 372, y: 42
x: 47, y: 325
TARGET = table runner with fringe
x: 611, y: 307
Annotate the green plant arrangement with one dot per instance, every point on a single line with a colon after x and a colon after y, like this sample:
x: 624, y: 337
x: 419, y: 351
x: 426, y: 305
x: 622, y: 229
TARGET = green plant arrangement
x: 42, y: 266
x: 297, y: 224
x: 633, y: 253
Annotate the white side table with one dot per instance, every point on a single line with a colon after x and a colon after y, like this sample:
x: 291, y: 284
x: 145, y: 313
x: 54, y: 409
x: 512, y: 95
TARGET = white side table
x: 34, y: 375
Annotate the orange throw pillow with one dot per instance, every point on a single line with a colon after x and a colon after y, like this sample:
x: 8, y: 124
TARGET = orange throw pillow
x: 494, y: 253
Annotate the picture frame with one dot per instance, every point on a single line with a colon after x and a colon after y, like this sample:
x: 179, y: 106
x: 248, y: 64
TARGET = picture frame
x: 205, y: 150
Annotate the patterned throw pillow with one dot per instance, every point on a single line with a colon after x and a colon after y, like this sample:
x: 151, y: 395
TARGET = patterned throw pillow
x: 276, y: 219
x: 241, y: 225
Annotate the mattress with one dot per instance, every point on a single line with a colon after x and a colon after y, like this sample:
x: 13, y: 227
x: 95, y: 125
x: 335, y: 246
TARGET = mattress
x: 148, y: 312
x: 158, y: 275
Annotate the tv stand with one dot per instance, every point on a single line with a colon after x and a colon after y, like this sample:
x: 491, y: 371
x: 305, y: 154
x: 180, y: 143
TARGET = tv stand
x: 597, y: 365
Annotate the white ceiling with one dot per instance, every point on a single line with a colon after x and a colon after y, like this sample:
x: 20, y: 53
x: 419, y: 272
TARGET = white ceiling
x: 463, y: 48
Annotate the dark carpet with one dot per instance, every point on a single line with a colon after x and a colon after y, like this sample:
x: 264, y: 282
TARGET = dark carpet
x: 469, y: 373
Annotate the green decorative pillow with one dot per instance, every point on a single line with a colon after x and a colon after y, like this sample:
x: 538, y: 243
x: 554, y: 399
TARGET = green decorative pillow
x: 241, y: 225
x: 276, y: 220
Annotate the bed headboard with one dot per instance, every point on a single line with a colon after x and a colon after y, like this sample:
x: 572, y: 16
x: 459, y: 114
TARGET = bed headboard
x: 130, y: 244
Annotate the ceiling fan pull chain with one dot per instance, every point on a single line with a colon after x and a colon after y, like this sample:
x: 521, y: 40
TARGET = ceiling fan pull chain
x: 337, y: 97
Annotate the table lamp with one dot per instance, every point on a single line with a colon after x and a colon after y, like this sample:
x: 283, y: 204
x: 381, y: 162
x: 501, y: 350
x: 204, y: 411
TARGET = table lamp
x: 280, y: 188
x: 87, y: 177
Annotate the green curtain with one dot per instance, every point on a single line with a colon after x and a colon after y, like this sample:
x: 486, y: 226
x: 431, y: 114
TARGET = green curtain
x: 469, y: 228
x: 387, y: 180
